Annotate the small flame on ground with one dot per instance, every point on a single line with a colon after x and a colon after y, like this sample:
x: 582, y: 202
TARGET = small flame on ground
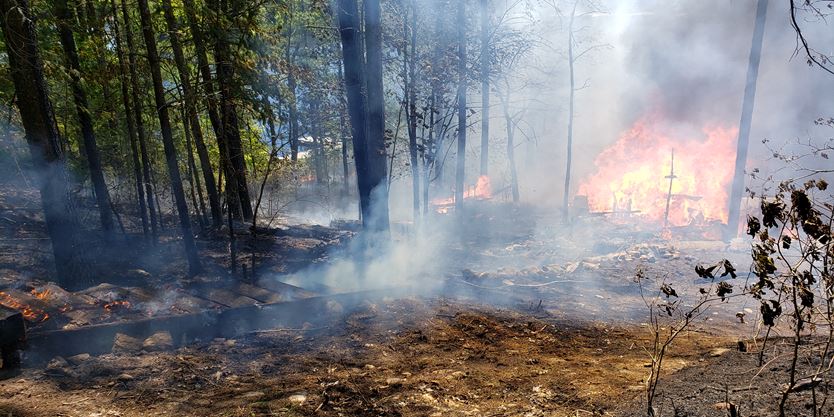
x: 632, y: 175
x: 41, y: 295
x: 117, y: 305
x: 481, y: 191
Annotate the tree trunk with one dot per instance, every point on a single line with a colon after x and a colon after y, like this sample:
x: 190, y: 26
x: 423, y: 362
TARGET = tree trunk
x: 140, y: 123
x: 460, y: 174
x: 131, y: 125
x: 410, y: 76
x: 343, y: 134
x: 208, y: 89
x: 41, y: 131
x: 511, y: 147
x: 193, y: 178
x: 168, y: 138
x: 377, y: 171
x: 192, y: 116
x: 569, y: 155
x: 83, y: 109
x: 485, y: 69
x: 736, y: 194
x: 236, y: 174
x: 348, y: 15
x: 293, y: 110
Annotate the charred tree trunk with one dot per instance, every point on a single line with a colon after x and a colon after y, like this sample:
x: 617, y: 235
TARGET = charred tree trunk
x: 485, y: 70
x: 236, y: 173
x: 737, y: 191
x: 168, y: 138
x: 193, y: 118
x: 82, y: 107
x: 460, y: 173
x: 41, y: 131
x: 130, y: 121
x: 378, y: 221
x: 354, y: 67
x: 140, y: 123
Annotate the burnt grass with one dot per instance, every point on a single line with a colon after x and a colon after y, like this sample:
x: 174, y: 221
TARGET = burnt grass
x: 398, y: 357
x: 580, y: 352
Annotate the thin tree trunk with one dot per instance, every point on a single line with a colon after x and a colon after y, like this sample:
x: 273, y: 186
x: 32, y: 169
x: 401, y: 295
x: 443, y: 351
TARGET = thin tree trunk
x: 208, y: 88
x: 289, y: 21
x: 511, y: 147
x: 193, y: 177
x: 191, y: 114
x: 293, y: 110
x: 736, y: 194
x: 377, y: 171
x: 83, y: 109
x: 140, y: 123
x: 410, y: 75
x: 343, y: 135
x: 460, y: 174
x: 569, y: 155
x: 131, y: 122
x: 38, y: 120
x: 168, y: 139
x: 485, y: 70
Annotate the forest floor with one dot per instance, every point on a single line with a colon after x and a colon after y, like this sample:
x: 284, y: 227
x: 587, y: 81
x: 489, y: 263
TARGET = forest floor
x: 554, y: 325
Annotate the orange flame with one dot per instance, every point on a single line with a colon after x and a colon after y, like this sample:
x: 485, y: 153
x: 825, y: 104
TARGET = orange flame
x: 632, y: 175
x: 117, y: 305
x: 481, y: 191
x: 29, y: 313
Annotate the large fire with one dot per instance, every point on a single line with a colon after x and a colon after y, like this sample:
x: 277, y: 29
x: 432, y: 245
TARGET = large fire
x: 633, y: 175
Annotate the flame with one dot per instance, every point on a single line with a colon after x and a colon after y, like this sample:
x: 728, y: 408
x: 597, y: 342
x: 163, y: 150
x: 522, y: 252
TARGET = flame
x: 41, y: 295
x: 632, y: 174
x: 481, y: 191
x: 117, y: 305
x: 29, y: 313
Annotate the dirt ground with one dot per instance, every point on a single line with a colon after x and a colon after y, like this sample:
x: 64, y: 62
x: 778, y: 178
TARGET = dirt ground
x: 403, y: 357
x: 567, y: 338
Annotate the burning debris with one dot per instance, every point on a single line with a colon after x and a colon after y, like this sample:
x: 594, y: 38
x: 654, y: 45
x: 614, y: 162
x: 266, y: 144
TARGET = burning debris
x: 632, y: 177
x: 482, y: 190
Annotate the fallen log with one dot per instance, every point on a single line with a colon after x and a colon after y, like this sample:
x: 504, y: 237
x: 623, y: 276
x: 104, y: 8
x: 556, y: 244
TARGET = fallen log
x: 207, y: 325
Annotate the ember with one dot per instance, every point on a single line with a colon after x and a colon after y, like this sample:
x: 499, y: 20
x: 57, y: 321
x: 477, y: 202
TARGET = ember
x: 118, y: 305
x: 30, y: 313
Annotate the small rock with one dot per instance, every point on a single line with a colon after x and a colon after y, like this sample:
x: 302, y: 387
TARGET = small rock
x: 78, y: 359
x: 394, y: 381
x: 158, y: 341
x: 298, y: 399
x: 253, y: 394
x: 125, y: 377
x: 718, y: 352
x: 126, y: 344
x: 58, y: 366
x: 57, y: 362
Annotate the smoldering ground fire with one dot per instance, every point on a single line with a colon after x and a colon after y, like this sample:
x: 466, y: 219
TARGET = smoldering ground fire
x: 415, y: 208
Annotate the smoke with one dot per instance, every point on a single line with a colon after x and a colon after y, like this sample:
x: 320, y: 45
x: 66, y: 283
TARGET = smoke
x: 684, y: 62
